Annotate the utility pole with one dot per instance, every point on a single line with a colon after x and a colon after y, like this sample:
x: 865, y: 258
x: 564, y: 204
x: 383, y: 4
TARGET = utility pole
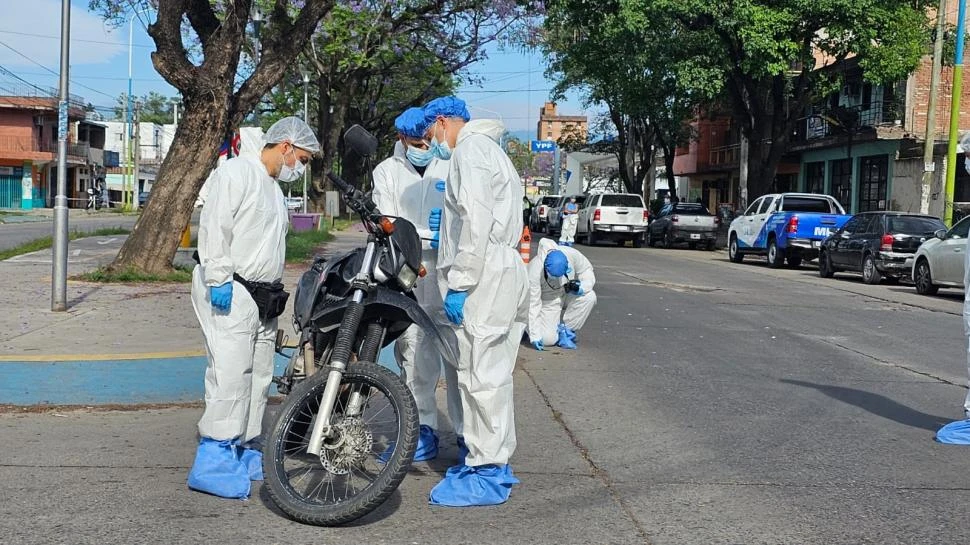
x: 951, y: 154
x: 306, y: 119
x: 929, y: 166
x: 136, y: 147
x: 59, y: 272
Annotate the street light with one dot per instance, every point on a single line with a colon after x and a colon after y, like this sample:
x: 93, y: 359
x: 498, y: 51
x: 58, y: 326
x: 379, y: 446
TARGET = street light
x: 128, y: 121
x: 306, y: 119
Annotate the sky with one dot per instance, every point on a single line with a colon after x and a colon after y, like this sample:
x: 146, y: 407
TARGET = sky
x: 514, y: 87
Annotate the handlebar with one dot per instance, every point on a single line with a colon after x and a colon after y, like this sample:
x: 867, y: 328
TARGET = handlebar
x: 356, y: 199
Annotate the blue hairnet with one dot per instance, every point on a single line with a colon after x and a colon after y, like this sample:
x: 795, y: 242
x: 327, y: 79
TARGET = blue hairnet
x: 412, y: 123
x: 445, y: 107
x: 556, y: 264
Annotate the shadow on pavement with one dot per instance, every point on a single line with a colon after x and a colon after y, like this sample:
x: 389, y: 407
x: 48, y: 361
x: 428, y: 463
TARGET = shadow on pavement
x: 83, y: 297
x: 385, y: 510
x: 878, y: 405
x: 956, y: 295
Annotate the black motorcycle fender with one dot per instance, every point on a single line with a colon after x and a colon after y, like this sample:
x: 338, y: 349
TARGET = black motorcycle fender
x: 385, y: 303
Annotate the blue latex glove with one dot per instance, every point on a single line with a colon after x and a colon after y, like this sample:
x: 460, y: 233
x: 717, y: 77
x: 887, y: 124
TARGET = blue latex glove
x: 455, y: 306
x: 538, y: 345
x: 440, y: 186
x: 434, y: 240
x: 434, y: 220
x: 221, y: 296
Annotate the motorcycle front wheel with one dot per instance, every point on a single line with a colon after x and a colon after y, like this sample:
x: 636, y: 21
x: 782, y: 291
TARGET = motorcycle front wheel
x: 363, y: 461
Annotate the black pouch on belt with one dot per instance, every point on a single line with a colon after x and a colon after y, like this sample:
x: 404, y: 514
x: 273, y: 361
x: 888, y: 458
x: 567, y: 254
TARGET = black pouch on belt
x: 270, y: 298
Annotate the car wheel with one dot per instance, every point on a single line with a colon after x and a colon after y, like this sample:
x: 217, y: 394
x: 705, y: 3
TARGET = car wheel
x: 924, y: 279
x: 734, y: 252
x: 691, y: 245
x: 710, y: 245
x: 650, y: 240
x: 668, y: 240
x: 870, y: 275
x: 825, y: 269
x: 776, y: 256
x: 794, y: 261
x: 591, y: 238
x: 638, y: 241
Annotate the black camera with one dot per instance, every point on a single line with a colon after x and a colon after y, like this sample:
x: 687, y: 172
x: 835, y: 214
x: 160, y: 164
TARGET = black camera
x: 572, y: 286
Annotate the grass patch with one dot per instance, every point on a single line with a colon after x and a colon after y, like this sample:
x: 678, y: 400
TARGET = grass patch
x: 342, y: 224
x: 300, y: 247
x: 129, y: 276
x: 44, y: 243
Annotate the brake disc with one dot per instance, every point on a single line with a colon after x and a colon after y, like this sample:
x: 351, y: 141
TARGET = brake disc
x: 351, y: 446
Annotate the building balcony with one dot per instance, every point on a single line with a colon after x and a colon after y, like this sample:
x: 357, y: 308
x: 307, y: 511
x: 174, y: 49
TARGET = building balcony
x: 725, y: 156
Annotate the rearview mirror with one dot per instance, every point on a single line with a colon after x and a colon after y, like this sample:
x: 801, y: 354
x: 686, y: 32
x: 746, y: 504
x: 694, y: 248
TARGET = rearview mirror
x: 940, y: 234
x: 362, y: 142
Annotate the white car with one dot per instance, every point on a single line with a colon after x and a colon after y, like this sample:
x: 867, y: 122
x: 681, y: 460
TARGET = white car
x: 939, y: 262
x: 617, y: 217
x: 294, y: 203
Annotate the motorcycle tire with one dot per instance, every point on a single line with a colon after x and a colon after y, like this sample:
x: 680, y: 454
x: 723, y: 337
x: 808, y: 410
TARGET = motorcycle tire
x: 329, y: 497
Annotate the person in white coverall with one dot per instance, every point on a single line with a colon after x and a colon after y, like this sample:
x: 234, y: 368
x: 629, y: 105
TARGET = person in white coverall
x: 570, y: 218
x: 561, y: 295
x: 485, y: 288
x: 411, y: 185
x: 242, y: 237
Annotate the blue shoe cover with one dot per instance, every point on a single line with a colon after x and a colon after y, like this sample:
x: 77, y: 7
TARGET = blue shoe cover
x: 219, y: 471
x: 427, y: 445
x: 955, y: 433
x: 252, y: 458
x: 466, y: 486
x: 462, y: 450
x: 567, y: 338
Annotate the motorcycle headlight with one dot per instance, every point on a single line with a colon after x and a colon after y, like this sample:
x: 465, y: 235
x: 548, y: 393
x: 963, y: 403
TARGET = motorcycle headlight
x: 407, y: 277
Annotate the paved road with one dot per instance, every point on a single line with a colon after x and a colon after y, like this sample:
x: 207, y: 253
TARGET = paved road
x: 15, y: 234
x: 710, y: 403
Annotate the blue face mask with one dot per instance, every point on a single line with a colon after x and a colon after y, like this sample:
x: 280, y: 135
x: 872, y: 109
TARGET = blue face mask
x: 419, y: 157
x: 441, y: 150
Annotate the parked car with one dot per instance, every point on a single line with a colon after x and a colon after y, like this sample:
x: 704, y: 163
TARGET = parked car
x: 684, y: 222
x: 143, y: 198
x: 786, y: 226
x: 554, y: 215
x: 538, y: 220
x: 618, y: 217
x: 877, y: 244
x: 294, y: 203
x: 939, y: 262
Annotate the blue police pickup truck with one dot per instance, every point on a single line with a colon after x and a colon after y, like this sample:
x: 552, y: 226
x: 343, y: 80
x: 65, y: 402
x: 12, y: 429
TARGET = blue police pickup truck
x: 785, y: 227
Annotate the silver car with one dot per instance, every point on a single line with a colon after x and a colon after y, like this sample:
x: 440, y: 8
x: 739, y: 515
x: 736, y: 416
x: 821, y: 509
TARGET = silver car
x: 939, y: 262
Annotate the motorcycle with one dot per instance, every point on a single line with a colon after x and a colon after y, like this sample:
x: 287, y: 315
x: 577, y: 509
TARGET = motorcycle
x: 347, y: 430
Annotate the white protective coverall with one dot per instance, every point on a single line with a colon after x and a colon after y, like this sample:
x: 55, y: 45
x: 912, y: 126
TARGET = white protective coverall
x: 569, y: 223
x: 966, y: 320
x: 547, y: 298
x: 399, y: 190
x: 480, y: 232
x: 242, y: 230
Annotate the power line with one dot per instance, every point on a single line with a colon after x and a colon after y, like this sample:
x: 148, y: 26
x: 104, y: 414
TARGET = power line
x: 98, y: 77
x: 53, y: 72
x: 73, y: 39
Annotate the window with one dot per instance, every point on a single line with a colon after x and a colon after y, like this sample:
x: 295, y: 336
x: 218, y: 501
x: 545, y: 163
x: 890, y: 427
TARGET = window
x: 876, y: 226
x: 807, y: 204
x: 874, y: 182
x: 914, y: 225
x: 631, y: 201
x: 842, y: 182
x: 815, y: 177
x: 691, y: 209
x: 766, y: 205
x: 852, y: 225
x: 753, y: 209
x: 961, y: 229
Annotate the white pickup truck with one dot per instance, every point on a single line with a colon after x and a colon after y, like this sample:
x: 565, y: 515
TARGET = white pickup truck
x: 618, y: 217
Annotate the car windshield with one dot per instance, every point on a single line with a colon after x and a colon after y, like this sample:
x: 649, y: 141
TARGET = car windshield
x: 691, y: 209
x: 914, y: 225
x: 806, y: 204
x: 548, y: 201
x: 628, y: 201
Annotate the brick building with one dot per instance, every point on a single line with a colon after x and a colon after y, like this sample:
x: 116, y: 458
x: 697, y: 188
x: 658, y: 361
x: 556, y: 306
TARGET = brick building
x: 553, y: 126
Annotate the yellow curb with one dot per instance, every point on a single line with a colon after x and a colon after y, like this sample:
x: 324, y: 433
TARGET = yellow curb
x: 103, y: 357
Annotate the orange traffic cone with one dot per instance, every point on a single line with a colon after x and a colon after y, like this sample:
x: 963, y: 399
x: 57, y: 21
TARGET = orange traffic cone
x: 525, y: 244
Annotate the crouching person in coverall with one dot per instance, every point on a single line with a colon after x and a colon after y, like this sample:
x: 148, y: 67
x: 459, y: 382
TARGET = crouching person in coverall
x: 411, y: 185
x: 561, y: 295
x: 242, y: 246
x: 485, y: 288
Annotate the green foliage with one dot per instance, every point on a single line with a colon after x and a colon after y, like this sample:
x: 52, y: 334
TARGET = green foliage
x: 107, y: 275
x: 44, y: 243
x: 153, y: 108
x: 304, y: 245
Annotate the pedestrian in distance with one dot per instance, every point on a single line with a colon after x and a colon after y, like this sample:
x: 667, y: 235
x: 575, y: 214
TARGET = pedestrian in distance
x: 237, y: 295
x: 485, y: 288
x: 561, y: 295
x: 411, y: 185
x: 570, y: 218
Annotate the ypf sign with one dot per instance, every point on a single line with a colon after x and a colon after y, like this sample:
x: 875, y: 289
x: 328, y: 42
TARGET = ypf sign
x: 543, y: 146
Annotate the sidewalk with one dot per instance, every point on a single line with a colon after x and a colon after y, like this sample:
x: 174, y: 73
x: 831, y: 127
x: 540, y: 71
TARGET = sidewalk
x: 135, y: 343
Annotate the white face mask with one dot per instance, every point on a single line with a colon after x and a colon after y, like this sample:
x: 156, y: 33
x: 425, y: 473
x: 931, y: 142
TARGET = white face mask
x: 291, y: 173
x: 441, y: 149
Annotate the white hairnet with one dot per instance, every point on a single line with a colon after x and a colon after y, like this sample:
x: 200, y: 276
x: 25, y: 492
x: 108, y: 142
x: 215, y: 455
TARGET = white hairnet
x: 295, y: 131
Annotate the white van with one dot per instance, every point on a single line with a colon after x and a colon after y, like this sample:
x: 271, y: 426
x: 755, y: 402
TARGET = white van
x: 619, y: 217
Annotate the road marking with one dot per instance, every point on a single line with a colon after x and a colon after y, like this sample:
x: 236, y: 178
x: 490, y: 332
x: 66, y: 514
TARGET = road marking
x: 76, y: 253
x: 109, y: 241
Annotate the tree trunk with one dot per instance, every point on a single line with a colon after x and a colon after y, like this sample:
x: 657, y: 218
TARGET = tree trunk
x: 175, y: 190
